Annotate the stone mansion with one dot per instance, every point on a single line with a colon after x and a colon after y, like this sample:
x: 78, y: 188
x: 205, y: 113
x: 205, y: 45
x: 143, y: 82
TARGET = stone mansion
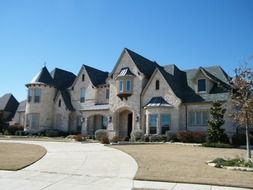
x: 137, y: 94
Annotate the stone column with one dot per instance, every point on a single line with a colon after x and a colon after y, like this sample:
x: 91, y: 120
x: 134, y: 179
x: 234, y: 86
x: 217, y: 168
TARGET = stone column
x: 84, y: 126
x: 158, y: 124
x: 147, y: 124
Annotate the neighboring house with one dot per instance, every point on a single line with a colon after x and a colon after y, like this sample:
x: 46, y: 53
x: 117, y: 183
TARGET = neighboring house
x: 19, y: 118
x: 9, y: 105
x: 137, y: 94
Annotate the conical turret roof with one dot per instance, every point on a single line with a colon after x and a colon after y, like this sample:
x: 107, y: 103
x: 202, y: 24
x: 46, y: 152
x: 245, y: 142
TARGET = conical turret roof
x: 43, y: 77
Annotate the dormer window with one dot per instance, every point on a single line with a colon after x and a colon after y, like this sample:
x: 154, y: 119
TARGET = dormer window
x: 202, y: 85
x: 157, y: 84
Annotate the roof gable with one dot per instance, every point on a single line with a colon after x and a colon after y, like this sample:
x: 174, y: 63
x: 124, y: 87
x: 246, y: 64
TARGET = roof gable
x: 96, y: 76
x: 62, y: 79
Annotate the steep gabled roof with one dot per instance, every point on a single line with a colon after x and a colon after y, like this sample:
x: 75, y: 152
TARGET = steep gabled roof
x: 62, y: 79
x: 9, y: 103
x: 144, y: 65
x: 21, y: 106
x: 43, y: 77
x: 67, y: 100
x: 96, y: 76
x: 157, y: 102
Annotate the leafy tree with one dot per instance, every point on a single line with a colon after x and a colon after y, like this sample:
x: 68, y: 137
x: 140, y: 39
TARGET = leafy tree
x: 215, y: 133
x: 242, y: 100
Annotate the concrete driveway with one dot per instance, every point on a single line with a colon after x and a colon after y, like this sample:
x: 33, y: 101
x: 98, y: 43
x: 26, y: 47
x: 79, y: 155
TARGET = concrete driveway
x: 73, y: 166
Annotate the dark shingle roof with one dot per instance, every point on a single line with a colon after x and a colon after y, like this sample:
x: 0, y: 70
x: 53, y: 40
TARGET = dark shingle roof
x: 43, y: 77
x: 144, y: 65
x: 157, y: 102
x: 125, y: 72
x: 67, y: 100
x: 8, y: 103
x: 96, y: 76
x: 183, y: 85
x: 62, y: 79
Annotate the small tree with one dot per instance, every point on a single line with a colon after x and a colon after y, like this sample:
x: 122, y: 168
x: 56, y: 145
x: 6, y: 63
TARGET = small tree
x: 215, y: 133
x: 242, y: 100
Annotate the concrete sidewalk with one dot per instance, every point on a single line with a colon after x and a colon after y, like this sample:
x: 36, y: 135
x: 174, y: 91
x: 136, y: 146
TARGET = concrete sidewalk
x: 179, y: 186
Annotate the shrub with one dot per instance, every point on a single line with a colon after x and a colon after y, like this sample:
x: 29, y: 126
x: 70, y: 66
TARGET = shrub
x: 191, y: 137
x: 137, y: 135
x: 80, y: 137
x: 158, y: 138
x: 126, y: 139
x: 105, y: 140
x: 116, y: 139
x: 51, y: 133
x: 236, y: 162
x: 14, y: 128
x: 240, y: 139
x: 217, y: 145
x: 100, y: 134
x: 171, y: 136
x: 21, y: 133
x: 6, y: 132
x: 146, y: 138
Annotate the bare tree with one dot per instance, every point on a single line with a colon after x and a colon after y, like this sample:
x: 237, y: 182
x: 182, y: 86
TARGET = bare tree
x: 242, y: 100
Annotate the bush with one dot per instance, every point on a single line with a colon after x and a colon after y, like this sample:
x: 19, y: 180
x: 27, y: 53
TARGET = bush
x: 100, y: 134
x: 146, y: 138
x: 116, y: 139
x: 14, y: 128
x: 21, y: 133
x: 137, y: 135
x: 80, y: 137
x: 236, y: 162
x: 240, y: 139
x: 105, y: 140
x: 218, y: 145
x: 51, y: 133
x: 171, y: 136
x: 158, y: 138
x: 191, y: 137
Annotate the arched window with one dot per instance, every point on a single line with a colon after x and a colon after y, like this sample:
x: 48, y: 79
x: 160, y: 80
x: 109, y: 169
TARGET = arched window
x: 59, y: 103
x: 157, y: 84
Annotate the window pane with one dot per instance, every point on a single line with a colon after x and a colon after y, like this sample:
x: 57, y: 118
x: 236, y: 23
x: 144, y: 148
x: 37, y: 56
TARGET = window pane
x: 82, y: 94
x: 29, y: 95
x: 128, y: 86
x: 121, y: 86
x: 37, y: 94
x: 192, y: 118
x: 205, y: 118
x: 34, y: 119
x: 157, y: 85
x: 152, y: 123
x: 165, y: 123
x: 198, y: 118
x: 201, y: 85
x: 107, y: 93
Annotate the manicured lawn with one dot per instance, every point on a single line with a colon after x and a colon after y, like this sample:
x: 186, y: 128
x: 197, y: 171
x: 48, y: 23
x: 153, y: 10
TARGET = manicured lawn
x: 178, y: 163
x: 15, y: 156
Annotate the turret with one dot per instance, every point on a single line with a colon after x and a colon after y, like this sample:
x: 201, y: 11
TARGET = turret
x: 40, y: 101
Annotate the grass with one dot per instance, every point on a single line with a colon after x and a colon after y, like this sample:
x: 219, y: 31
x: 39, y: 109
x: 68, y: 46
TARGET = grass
x: 186, y: 164
x: 15, y: 156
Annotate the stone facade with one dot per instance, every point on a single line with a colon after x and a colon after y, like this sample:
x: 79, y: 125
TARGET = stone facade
x: 137, y: 94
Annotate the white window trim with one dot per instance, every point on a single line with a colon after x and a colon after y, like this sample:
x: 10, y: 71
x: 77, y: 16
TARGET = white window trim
x: 194, y: 124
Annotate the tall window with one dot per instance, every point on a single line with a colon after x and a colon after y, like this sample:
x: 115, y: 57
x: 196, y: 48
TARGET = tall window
x: 82, y: 94
x: 29, y: 98
x: 165, y: 122
x: 199, y: 117
x: 152, y: 123
x: 157, y: 84
x: 37, y: 95
x: 121, y: 87
x: 128, y: 86
x: 201, y: 85
x: 78, y: 123
x: 107, y: 94
x: 82, y: 77
x: 33, y: 121
x: 59, y: 103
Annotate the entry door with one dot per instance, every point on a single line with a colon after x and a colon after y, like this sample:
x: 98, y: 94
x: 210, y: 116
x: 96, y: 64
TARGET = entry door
x: 129, y: 124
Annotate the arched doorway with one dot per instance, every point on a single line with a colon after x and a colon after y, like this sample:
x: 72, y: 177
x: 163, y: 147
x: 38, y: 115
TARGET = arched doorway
x: 125, y: 123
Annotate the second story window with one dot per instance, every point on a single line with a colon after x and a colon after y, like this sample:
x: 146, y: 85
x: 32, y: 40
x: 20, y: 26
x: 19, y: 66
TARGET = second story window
x: 59, y: 103
x: 107, y: 94
x: 82, y: 77
x: 128, y: 86
x: 121, y: 87
x: 82, y: 94
x: 202, y: 85
x: 157, y: 84
x: 37, y: 95
x: 29, y: 97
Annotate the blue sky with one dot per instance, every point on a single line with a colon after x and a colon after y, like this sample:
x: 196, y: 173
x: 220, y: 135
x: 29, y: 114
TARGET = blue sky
x: 69, y: 33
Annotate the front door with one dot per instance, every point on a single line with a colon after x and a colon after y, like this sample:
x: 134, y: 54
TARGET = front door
x: 129, y: 124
